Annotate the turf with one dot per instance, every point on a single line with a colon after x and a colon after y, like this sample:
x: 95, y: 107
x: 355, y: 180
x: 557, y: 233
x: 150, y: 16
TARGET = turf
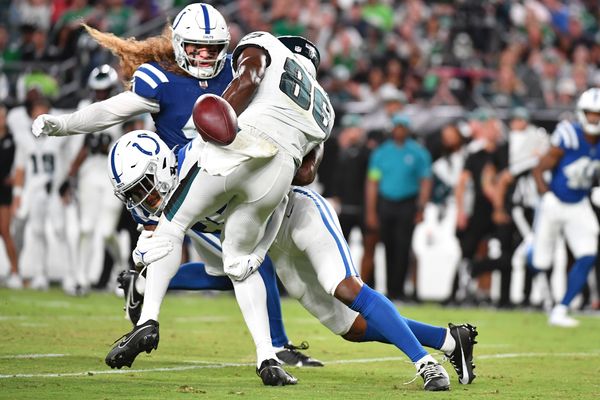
x: 206, y: 352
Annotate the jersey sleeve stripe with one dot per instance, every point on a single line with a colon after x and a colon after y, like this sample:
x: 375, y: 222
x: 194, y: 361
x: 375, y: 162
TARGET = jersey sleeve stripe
x: 333, y: 229
x: 575, y: 140
x: 146, y: 78
x: 157, y: 72
x: 566, y: 138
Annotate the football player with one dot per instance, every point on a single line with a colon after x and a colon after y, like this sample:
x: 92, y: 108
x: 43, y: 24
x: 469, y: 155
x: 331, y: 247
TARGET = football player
x: 574, y: 161
x: 99, y: 210
x: 311, y: 257
x: 169, y: 73
x: 40, y: 168
x: 253, y: 174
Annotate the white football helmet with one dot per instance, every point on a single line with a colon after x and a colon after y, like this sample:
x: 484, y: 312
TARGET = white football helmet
x: 142, y: 170
x: 200, y: 23
x: 103, y: 77
x: 589, y: 101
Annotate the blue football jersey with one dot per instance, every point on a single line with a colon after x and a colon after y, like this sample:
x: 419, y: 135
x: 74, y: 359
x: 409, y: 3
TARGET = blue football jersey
x: 176, y: 95
x: 572, y: 177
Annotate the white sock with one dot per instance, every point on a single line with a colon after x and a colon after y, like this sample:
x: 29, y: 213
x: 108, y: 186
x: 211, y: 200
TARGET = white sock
x: 449, y: 343
x: 140, y: 285
x: 158, y: 276
x: 251, y: 296
x: 425, y: 360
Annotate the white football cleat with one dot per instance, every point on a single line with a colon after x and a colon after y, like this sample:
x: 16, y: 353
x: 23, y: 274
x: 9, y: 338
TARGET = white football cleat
x: 559, y: 317
x: 39, y: 283
x: 14, y: 281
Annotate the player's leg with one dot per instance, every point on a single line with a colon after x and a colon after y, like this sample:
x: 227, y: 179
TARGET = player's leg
x: 110, y: 212
x: 317, y: 235
x: 581, y: 232
x: 194, y: 196
x: 208, y: 247
x: 14, y: 281
x: 260, y: 186
x: 90, y: 261
x: 33, y: 256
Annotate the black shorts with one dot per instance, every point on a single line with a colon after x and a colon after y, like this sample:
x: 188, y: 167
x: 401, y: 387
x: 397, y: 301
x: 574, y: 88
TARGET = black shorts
x: 5, y: 195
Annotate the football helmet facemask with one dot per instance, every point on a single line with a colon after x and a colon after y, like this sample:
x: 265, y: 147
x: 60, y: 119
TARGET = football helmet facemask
x: 589, y: 101
x: 142, y: 170
x: 202, y: 25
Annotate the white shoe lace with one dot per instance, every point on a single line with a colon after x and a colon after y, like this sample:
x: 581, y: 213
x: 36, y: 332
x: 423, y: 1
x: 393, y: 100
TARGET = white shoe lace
x: 428, y: 372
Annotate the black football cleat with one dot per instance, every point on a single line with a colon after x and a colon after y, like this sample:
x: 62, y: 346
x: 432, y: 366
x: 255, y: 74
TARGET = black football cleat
x: 133, y: 299
x: 272, y: 374
x: 462, y: 357
x: 434, y: 377
x: 141, y: 338
x: 291, y: 355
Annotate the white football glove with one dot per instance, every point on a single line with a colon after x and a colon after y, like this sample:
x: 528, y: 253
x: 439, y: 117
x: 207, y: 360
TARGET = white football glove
x: 243, y: 267
x: 150, y: 248
x: 48, y: 125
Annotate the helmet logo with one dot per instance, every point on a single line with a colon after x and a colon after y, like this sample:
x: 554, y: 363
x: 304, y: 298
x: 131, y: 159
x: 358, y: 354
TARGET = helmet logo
x: 140, y: 148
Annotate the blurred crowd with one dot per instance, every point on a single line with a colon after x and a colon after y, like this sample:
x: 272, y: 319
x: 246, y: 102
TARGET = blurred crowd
x: 451, y: 78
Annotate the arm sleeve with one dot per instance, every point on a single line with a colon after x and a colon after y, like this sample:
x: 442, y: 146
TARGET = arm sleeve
x: 425, y: 163
x: 104, y: 114
x: 374, y: 171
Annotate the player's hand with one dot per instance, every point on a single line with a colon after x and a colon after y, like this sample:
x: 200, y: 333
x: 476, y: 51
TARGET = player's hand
x: 48, y: 125
x: 243, y: 267
x: 150, y: 248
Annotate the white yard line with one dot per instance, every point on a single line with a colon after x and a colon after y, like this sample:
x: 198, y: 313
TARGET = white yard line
x: 211, y: 365
x: 33, y: 356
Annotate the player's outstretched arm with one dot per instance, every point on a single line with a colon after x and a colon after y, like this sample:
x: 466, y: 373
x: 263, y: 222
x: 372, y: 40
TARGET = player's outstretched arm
x: 95, y: 117
x: 250, y: 67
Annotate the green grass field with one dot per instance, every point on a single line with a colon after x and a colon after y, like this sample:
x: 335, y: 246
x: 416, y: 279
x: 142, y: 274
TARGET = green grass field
x: 53, y: 347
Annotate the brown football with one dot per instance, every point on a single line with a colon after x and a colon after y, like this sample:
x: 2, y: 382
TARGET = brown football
x: 215, y: 119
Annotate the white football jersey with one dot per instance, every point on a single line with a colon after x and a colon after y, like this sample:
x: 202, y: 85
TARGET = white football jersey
x: 289, y: 106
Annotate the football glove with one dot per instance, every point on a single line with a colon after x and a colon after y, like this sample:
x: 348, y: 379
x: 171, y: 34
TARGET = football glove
x: 150, y: 248
x: 48, y: 125
x: 242, y: 267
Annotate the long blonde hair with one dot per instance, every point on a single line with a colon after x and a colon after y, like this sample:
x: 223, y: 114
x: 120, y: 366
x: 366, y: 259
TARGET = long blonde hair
x: 132, y: 53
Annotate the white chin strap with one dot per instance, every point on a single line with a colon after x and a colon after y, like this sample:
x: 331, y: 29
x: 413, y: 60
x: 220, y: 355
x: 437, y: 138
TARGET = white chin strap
x: 590, y: 129
x: 201, y: 73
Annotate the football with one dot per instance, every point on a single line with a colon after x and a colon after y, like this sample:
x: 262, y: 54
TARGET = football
x: 215, y: 119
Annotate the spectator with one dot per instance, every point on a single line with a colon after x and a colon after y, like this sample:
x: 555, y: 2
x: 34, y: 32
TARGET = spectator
x: 35, y: 12
x: 350, y: 173
x: 516, y: 194
x: 398, y: 187
x: 480, y: 168
x: 7, y: 157
x: 448, y: 163
x: 118, y: 17
x: 36, y: 49
x: 388, y: 101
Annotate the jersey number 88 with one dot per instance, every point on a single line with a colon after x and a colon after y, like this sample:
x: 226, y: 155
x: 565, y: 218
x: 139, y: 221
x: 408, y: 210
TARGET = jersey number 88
x: 298, y: 87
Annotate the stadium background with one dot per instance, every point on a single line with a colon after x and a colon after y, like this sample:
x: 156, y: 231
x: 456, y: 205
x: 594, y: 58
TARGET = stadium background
x: 448, y: 58
x: 437, y: 58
